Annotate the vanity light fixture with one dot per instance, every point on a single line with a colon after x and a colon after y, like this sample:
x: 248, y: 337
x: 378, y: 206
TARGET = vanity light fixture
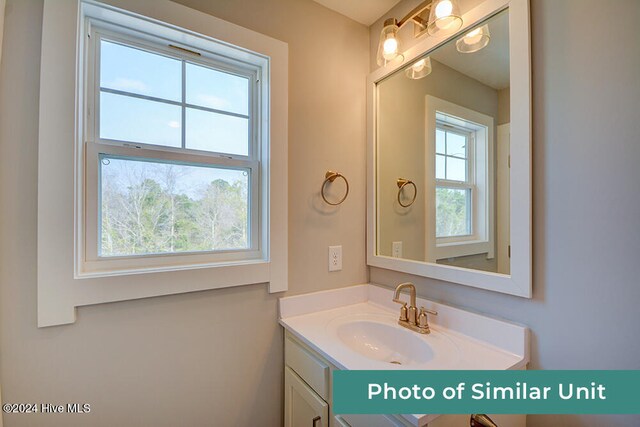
x: 444, y: 19
x: 474, y: 40
x: 419, y: 69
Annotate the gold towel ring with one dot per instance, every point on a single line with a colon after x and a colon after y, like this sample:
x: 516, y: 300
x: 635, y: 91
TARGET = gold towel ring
x: 331, y: 176
x: 401, y: 182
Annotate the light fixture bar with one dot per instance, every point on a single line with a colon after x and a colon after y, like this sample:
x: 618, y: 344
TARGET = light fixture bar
x: 411, y: 16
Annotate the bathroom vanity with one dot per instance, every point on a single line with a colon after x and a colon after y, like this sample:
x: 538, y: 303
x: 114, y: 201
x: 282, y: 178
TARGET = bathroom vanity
x: 357, y: 328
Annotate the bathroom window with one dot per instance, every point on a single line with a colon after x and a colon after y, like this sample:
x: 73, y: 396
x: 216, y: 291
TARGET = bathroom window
x: 163, y: 147
x: 173, y: 154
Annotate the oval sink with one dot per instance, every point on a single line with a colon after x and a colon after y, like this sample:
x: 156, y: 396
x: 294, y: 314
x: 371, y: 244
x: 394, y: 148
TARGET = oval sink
x: 385, y: 343
x: 380, y: 338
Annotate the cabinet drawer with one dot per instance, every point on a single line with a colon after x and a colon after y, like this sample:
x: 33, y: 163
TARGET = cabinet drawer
x: 311, y: 369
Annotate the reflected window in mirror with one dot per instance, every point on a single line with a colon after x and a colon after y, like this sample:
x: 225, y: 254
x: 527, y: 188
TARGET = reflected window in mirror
x: 454, y: 186
x: 460, y: 140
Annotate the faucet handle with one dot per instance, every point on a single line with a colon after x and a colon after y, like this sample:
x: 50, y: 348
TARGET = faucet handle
x: 423, y: 323
x: 403, y: 309
x: 404, y: 316
x: 425, y: 310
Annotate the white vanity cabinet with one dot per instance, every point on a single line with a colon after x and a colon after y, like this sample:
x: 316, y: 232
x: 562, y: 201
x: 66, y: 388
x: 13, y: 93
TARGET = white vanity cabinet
x: 307, y: 395
x: 307, y: 382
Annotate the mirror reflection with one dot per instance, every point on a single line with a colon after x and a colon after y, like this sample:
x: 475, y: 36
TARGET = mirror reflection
x: 443, y: 154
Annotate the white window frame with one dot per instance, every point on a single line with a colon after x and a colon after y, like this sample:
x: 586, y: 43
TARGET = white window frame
x: 89, y: 262
x: 438, y: 113
x: 64, y: 282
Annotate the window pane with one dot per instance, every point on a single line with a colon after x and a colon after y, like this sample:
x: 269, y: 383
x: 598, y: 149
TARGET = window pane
x: 440, y: 172
x: 149, y: 207
x: 124, y: 118
x: 456, y: 145
x: 453, y: 208
x: 220, y: 133
x: 137, y: 71
x: 215, y: 89
x: 456, y: 169
x: 440, y: 141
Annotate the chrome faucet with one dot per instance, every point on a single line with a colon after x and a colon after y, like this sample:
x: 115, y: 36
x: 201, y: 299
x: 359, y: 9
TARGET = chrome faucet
x: 409, y: 316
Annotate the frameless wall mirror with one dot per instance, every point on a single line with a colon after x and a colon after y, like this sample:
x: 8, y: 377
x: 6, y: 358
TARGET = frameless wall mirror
x: 449, y: 129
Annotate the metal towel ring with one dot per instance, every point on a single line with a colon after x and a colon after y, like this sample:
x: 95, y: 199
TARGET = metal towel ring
x: 402, y: 182
x: 331, y: 176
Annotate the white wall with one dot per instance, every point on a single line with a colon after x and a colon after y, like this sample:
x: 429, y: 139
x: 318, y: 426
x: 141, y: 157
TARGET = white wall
x: 586, y: 204
x: 206, y: 358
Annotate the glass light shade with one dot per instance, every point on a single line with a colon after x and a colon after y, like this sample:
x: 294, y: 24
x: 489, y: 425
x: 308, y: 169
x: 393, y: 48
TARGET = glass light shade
x: 389, y: 46
x: 419, y: 69
x: 474, y: 40
x: 444, y: 18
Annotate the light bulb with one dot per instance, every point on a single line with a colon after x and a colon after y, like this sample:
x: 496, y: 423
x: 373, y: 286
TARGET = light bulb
x: 473, y: 37
x: 444, y: 9
x: 474, y: 40
x: 419, y: 69
x: 418, y: 66
x: 390, y: 46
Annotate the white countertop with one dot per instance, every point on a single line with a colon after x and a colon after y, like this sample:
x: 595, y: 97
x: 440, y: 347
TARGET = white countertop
x: 462, y: 339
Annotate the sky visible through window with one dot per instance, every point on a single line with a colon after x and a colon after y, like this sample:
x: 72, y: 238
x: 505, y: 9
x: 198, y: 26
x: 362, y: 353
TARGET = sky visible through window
x: 123, y: 117
x: 149, y: 206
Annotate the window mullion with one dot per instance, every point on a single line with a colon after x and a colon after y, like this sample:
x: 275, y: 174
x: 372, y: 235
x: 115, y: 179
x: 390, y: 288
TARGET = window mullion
x: 446, y: 153
x: 184, y: 102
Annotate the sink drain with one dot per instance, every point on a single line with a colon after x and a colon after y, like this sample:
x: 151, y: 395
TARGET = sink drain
x: 395, y: 362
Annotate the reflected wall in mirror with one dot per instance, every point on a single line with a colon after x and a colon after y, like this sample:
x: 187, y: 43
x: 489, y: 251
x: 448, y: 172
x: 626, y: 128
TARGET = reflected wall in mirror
x: 443, y: 139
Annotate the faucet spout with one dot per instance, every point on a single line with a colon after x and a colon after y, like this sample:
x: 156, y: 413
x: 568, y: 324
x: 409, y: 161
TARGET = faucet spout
x: 411, y: 314
x: 412, y: 294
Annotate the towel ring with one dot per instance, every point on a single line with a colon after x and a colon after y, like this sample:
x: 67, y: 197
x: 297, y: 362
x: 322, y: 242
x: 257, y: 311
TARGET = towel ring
x: 401, y: 182
x: 331, y: 176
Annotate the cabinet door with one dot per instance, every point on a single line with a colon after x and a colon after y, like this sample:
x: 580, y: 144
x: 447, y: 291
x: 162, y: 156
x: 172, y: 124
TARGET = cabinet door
x: 302, y: 406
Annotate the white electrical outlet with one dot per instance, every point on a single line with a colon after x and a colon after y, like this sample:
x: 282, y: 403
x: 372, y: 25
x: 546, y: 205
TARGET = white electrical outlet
x: 335, y: 258
x: 396, y: 249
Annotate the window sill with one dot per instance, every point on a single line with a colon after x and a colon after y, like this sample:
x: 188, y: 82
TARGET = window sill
x: 261, y: 265
x: 464, y: 248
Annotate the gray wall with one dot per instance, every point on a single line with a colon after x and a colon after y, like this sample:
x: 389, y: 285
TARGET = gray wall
x: 208, y: 358
x: 586, y: 205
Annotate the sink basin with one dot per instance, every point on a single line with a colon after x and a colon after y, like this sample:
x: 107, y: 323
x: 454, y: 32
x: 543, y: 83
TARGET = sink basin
x: 384, y: 342
x: 381, y: 339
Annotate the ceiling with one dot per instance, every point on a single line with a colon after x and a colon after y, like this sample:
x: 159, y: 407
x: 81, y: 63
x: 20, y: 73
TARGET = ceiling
x: 490, y: 65
x: 363, y: 11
